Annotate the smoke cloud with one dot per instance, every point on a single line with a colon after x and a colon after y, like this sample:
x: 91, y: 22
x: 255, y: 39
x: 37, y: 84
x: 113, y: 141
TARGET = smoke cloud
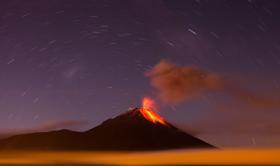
x: 178, y: 83
x: 175, y: 84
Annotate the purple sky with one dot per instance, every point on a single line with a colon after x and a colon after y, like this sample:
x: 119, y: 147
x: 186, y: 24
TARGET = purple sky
x: 64, y: 61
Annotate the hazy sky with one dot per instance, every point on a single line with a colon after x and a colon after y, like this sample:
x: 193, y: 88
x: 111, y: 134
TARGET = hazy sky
x: 72, y: 64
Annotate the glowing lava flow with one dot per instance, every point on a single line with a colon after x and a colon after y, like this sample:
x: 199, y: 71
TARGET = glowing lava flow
x: 146, y: 110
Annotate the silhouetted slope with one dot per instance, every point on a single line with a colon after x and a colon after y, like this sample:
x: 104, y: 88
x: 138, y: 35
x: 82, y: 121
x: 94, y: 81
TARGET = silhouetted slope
x: 62, y: 139
x: 128, y: 131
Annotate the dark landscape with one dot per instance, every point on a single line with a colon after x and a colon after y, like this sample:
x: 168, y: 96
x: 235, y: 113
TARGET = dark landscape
x: 139, y: 82
x: 128, y: 131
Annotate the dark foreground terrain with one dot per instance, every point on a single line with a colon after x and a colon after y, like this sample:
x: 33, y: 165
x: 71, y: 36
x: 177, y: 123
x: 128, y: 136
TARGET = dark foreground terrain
x: 129, y: 131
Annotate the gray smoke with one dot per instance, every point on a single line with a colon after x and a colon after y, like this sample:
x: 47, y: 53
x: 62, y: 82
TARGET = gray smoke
x: 175, y: 84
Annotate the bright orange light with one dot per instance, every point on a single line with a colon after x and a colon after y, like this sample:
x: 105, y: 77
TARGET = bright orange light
x: 147, y: 106
x: 148, y: 103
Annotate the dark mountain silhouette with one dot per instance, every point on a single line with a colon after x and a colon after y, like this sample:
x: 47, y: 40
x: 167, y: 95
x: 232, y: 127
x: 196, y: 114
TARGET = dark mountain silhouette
x: 128, y: 131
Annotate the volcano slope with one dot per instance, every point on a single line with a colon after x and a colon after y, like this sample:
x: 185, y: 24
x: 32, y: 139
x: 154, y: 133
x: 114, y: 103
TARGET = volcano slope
x: 128, y: 131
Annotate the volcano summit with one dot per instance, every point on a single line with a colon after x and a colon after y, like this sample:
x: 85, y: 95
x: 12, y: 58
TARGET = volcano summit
x: 136, y: 129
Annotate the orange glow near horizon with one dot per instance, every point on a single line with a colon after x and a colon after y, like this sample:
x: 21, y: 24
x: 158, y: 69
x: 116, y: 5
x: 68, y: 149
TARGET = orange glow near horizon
x: 260, y: 157
x: 148, y: 105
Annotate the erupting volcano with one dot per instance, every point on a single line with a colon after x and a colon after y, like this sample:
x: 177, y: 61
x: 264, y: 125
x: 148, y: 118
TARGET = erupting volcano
x: 147, y: 111
x: 137, y: 129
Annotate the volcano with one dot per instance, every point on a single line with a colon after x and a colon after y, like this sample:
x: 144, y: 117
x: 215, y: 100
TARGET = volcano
x: 133, y: 130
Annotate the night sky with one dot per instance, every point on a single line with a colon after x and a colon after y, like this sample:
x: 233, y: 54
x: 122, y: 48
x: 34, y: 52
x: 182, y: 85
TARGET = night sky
x: 73, y: 64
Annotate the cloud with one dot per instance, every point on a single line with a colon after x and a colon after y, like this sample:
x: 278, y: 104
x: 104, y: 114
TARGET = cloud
x: 56, y: 125
x: 175, y: 84
x: 178, y: 83
x: 255, y: 99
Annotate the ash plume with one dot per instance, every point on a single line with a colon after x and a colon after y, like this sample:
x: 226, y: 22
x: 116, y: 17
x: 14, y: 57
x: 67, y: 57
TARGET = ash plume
x: 178, y: 83
x: 175, y: 83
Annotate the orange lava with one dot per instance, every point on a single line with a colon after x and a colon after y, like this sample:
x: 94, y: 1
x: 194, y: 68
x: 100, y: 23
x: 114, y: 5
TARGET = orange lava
x: 147, y: 106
